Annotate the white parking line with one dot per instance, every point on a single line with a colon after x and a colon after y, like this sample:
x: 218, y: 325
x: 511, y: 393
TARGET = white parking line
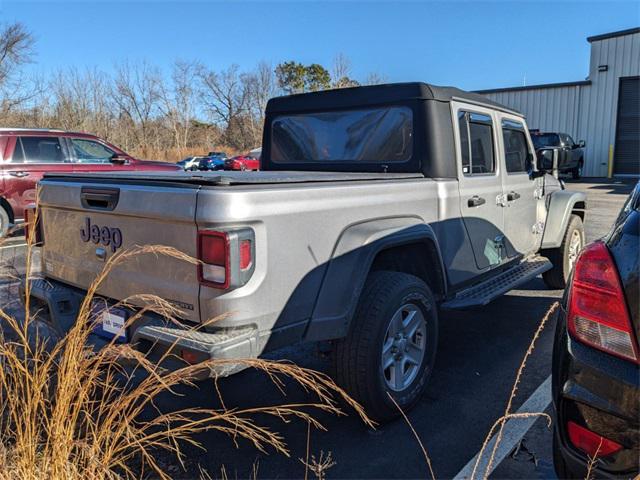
x: 14, y: 246
x: 514, y: 430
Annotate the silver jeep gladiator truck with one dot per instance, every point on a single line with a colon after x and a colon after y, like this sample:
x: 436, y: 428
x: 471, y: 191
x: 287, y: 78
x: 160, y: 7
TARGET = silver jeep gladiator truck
x: 377, y: 209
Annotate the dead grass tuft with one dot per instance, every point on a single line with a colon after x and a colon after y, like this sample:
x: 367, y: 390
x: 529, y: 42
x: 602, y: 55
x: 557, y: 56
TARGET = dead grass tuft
x: 70, y: 412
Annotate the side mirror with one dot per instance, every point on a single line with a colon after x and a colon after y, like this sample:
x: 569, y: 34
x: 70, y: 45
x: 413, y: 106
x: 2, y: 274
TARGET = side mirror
x: 117, y: 158
x: 581, y: 143
x: 547, y: 159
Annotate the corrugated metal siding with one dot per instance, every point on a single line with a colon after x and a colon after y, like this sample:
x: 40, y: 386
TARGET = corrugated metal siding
x: 586, y: 112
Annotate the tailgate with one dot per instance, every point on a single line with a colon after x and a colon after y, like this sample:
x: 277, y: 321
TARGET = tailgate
x: 126, y: 215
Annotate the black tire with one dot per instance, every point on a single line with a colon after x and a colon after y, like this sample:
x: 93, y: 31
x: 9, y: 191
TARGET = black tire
x: 358, y: 357
x: 4, y: 223
x: 557, y: 277
x: 563, y: 472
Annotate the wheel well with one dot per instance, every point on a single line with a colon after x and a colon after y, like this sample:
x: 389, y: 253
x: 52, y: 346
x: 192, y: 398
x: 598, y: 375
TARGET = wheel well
x: 579, y: 209
x: 4, y: 204
x: 419, y: 259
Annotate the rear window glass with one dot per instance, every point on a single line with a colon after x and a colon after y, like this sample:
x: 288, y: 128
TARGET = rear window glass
x: 545, y: 140
x: 375, y: 135
x: 39, y: 150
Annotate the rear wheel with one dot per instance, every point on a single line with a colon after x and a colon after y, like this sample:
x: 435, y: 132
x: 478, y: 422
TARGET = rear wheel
x: 4, y: 223
x: 391, y: 348
x: 564, y: 257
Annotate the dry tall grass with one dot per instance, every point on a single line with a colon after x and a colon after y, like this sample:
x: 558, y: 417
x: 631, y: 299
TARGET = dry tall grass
x: 74, y: 413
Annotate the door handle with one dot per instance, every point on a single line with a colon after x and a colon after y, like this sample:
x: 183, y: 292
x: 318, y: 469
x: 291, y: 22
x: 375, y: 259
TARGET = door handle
x: 511, y: 196
x: 476, y: 201
x: 19, y: 174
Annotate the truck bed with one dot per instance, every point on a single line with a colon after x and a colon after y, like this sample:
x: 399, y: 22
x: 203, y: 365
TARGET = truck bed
x: 228, y: 178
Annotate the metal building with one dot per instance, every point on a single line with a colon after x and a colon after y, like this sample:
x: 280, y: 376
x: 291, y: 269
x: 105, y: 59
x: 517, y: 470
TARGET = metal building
x: 603, y: 110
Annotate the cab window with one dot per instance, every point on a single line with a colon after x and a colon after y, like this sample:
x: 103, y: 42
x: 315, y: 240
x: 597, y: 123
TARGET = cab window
x: 38, y: 150
x: 89, y: 151
x: 476, y: 143
x: 516, y: 148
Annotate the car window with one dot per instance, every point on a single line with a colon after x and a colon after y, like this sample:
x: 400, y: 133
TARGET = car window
x: 476, y: 143
x: 516, y: 148
x: 568, y: 141
x: 89, y: 151
x: 545, y: 140
x: 40, y: 150
x: 372, y: 135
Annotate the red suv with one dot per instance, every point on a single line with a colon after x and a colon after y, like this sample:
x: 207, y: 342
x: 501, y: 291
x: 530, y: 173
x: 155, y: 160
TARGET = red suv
x: 27, y: 154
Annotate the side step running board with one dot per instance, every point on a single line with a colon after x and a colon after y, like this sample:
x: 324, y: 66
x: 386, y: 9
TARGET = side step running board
x: 483, y: 293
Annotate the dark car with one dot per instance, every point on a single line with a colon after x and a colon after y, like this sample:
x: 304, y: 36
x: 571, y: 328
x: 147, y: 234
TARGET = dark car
x: 571, y: 154
x: 211, y: 163
x: 596, y: 371
x: 27, y: 154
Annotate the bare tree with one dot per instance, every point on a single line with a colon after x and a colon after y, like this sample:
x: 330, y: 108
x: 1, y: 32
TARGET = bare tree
x: 16, y: 50
x: 375, y: 79
x: 341, y: 72
x: 137, y: 93
x: 261, y: 85
x: 179, y: 101
x: 81, y: 100
x: 224, y: 96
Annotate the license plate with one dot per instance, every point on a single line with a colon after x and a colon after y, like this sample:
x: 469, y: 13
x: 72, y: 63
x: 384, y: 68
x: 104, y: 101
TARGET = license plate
x: 109, y: 322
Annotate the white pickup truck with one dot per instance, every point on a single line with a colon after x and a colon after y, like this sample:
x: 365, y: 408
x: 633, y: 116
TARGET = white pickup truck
x: 376, y: 209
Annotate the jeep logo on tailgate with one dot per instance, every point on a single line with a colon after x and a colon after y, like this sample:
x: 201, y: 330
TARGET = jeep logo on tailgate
x: 106, y: 235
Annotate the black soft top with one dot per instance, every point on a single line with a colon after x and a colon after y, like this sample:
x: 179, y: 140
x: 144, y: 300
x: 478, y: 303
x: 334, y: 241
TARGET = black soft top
x: 375, y: 95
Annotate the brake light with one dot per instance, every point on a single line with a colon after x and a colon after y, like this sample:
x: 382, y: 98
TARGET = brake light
x: 590, y: 442
x: 213, y: 252
x: 226, y: 258
x: 597, y: 313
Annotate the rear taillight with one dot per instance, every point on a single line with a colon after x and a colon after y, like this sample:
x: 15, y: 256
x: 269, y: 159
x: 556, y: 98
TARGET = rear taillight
x: 226, y: 258
x: 32, y: 226
x: 597, y: 313
x: 590, y: 442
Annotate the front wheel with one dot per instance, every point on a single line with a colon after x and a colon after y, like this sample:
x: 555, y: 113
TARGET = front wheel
x: 576, y: 173
x: 564, y: 257
x: 391, y: 347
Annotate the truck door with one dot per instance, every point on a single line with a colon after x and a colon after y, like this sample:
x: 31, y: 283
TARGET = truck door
x: 522, y: 192
x: 480, y: 184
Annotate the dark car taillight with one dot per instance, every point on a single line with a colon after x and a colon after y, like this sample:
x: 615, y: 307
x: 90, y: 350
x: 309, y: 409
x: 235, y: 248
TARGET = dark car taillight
x: 597, y: 313
x: 590, y: 442
x: 227, y: 258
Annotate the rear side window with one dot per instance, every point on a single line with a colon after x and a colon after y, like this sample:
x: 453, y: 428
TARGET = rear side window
x: 373, y: 135
x: 38, y: 150
x: 476, y: 143
x: 516, y: 148
x: 89, y: 151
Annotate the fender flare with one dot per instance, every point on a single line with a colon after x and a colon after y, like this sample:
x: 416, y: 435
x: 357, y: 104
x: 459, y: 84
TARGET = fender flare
x: 561, y: 205
x: 349, y: 267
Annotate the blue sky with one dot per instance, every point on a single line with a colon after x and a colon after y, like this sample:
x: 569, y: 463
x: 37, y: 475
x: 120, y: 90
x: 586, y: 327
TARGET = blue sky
x: 471, y: 45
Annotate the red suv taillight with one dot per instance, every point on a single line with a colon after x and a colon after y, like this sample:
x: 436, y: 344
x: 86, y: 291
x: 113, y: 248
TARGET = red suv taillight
x: 597, y: 313
x: 227, y: 258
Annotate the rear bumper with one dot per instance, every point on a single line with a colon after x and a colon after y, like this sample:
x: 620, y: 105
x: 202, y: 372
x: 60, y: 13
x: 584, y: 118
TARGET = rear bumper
x: 153, y: 334
x: 599, y: 392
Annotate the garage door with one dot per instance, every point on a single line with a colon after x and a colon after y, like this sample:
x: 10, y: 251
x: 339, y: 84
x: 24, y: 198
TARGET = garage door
x: 627, y: 150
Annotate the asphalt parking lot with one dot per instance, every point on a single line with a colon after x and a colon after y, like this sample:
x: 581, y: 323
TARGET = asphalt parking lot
x: 479, y: 354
